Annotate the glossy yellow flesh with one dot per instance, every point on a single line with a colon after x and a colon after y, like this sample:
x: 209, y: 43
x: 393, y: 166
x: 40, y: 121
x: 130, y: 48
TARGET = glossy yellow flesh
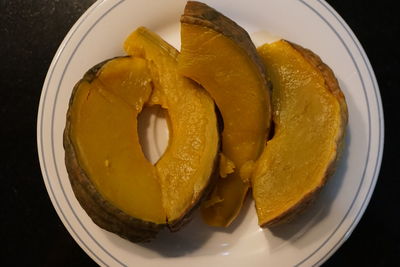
x: 186, y: 166
x: 236, y: 85
x: 307, y: 121
x: 104, y: 132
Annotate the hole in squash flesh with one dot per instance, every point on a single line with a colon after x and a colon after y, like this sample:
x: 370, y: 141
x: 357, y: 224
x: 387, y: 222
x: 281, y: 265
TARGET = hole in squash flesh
x: 121, y: 188
x: 153, y: 132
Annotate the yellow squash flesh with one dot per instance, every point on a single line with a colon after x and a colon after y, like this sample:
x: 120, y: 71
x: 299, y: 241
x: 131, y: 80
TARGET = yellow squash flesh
x: 218, y: 54
x: 104, y: 133
x: 112, y: 179
x: 310, y: 115
x: 192, y: 151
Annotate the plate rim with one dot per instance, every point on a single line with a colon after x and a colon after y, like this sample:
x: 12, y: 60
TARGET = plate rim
x: 377, y: 163
x: 381, y: 130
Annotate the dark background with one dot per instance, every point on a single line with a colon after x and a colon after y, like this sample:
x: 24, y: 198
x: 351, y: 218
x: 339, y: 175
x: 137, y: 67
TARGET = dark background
x: 30, y: 230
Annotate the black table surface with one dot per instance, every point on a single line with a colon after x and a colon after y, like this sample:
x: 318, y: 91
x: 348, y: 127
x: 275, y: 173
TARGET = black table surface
x: 30, y: 230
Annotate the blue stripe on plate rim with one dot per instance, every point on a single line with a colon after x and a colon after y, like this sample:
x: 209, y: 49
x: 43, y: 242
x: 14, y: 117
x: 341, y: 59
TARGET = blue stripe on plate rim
x: 377, y: 99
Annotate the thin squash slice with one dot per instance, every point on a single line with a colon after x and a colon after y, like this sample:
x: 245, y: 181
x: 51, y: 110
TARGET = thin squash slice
x: 219, y: 54
x: 310, y: 116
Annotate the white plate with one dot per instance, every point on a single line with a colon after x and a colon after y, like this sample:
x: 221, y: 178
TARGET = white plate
x: 310, y: 239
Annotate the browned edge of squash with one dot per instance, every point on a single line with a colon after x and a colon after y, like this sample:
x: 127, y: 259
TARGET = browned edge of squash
x: 101, y: 211
x: 332, y: 85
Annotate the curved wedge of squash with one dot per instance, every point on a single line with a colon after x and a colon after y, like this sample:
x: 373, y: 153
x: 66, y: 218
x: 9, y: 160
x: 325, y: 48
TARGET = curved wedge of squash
x: 117, y: 186
x: 310, y: 116
x: 218, y: 54
x: 110, y: 176
x: 191, y: 156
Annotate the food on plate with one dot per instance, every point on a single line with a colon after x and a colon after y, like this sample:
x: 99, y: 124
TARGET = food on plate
x: 214, y: 155
x: 112, y: 179
x: 219, y: 54
x: 191, y: 156
x: 310, y: 117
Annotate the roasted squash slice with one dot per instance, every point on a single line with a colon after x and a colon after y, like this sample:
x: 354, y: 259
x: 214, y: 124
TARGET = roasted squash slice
x: 118, y: 187
x: 191, y: 155
x: 310, y: 116
x: 219, y: 54
x: 109, y: 174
